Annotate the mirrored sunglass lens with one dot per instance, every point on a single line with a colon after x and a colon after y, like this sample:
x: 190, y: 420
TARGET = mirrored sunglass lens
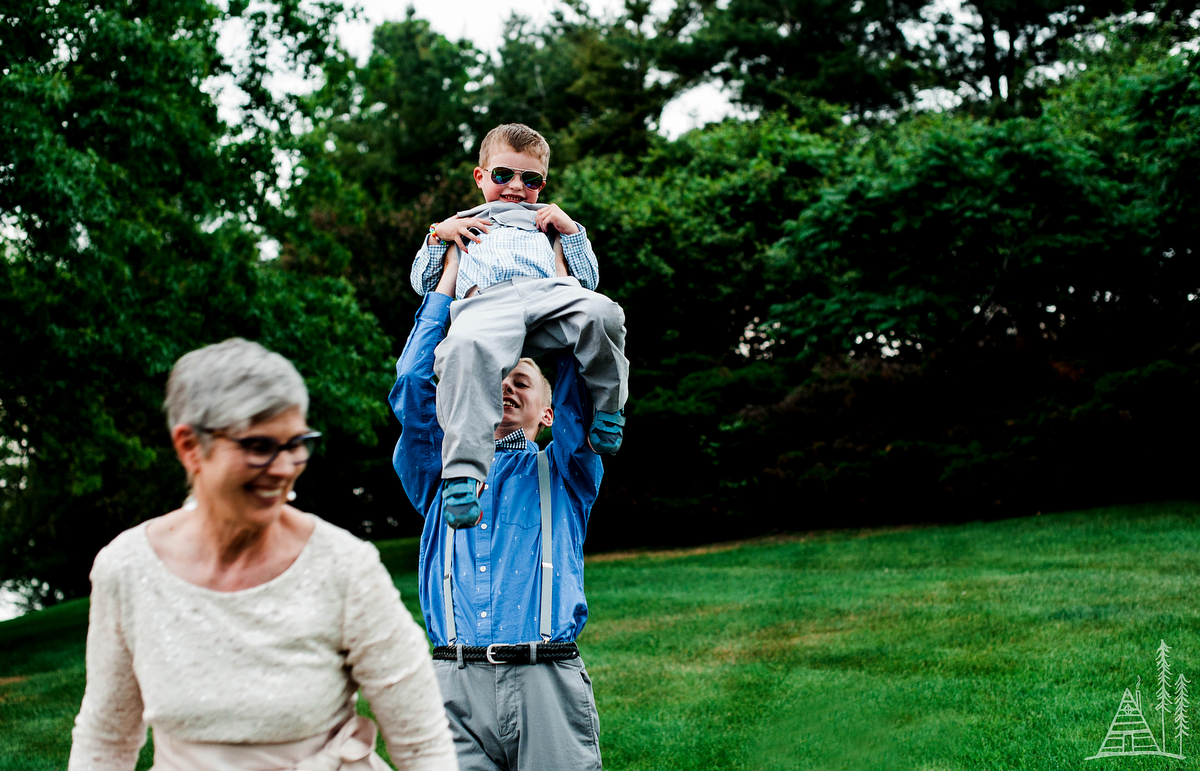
x: 532, y: 179
x: 502, y: 175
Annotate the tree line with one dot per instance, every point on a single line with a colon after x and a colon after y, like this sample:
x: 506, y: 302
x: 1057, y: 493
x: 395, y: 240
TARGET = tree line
x: 947, y: 271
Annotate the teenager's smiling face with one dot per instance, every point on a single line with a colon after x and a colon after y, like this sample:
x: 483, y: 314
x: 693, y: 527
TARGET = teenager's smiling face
x: 515, y: 190
x: 525, y: 403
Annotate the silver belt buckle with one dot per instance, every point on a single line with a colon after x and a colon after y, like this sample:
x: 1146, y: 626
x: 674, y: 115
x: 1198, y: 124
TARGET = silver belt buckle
x: 489, y: 654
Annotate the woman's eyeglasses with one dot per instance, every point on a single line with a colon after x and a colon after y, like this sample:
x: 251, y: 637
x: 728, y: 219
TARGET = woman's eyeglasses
x: 502, y: 175
x: 261, y: 451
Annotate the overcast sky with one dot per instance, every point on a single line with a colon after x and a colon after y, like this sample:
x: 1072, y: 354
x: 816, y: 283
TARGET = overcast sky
x: 481, y: 21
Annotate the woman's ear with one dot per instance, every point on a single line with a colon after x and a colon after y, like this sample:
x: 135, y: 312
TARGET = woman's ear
x: 187, y: 448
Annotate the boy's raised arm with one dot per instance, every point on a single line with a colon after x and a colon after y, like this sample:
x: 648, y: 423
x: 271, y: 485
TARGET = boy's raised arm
x: 576, y: 246
x: 580, y: 259
x: 581, y: 467
x: 429, y: 265
x: 428, y: 268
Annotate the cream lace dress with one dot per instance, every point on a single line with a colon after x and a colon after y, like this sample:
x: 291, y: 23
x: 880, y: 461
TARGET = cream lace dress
x: 280, y: 662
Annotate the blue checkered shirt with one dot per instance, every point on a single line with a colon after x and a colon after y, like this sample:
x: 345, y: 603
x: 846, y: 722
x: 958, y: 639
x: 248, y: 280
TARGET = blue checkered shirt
x: 506, y: 253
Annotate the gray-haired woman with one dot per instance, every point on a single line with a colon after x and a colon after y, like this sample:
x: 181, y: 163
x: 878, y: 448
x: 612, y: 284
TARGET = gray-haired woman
x: 238, y: 627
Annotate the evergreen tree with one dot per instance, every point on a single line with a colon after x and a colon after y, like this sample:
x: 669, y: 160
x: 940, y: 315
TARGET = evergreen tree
x: 384, y: 159
x: 1003, y: 55
x: 999, y: 56
x: 1164, y: 687
x: 1181, y: 705
x: 781, y: 54
x: 593, y: 86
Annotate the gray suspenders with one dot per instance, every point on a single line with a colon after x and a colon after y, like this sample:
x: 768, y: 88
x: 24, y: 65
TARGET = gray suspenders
x: 543, y: 464
x: 547, y: 536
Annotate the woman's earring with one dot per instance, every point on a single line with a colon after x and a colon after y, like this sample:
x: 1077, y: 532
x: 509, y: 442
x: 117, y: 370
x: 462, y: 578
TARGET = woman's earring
x: 291, y: 496
x: 189, y: 503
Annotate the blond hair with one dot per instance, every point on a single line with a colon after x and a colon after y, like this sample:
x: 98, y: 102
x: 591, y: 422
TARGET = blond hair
x: 520, y: 138
x: 543, y: 385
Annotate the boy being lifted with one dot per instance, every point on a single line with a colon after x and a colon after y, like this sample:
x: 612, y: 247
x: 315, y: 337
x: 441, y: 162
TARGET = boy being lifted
x: 524, y: 285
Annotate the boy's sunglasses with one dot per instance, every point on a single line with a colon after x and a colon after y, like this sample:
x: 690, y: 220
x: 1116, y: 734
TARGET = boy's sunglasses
x: 502, y: 175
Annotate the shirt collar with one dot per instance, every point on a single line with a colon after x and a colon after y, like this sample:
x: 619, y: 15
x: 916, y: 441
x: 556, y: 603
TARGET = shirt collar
x: 514, y: 441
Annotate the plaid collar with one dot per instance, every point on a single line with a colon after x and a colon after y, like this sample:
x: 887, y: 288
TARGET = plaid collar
x: 514, y: 441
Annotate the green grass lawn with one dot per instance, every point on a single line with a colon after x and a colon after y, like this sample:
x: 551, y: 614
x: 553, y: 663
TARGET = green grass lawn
x: 1002, y: 645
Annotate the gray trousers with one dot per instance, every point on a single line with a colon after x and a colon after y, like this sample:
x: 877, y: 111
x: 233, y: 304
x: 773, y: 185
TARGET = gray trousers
x: 488, y: 335
x: 536, y: 717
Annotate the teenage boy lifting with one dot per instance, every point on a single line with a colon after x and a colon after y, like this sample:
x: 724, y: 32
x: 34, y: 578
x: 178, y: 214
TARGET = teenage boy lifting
x: 504, y: 602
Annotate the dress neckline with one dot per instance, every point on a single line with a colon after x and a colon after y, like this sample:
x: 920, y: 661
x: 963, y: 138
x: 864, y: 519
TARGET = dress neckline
x: 161, y: 566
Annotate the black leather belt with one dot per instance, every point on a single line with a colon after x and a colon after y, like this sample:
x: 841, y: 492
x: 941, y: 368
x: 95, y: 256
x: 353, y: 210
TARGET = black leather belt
x: 523, y: 653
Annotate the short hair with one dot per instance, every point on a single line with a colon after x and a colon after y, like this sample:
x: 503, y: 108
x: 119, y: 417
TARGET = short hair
x: 520, y: 138
x: 543, y: 385
x: 232, y: 385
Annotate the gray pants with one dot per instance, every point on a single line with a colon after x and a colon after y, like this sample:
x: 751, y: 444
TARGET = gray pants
x: 488, y: 335
x: 537, y: 717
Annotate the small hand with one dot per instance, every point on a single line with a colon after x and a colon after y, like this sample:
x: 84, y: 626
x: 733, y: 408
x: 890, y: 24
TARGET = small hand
x: 458, y: 231
x: 552, y: 216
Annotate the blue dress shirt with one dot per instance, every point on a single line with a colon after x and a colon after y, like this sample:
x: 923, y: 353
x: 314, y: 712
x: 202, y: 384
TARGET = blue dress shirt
x: 497, y: 564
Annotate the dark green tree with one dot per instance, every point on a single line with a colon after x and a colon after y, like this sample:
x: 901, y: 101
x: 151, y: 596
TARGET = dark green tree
x: 389, y: 153
x: 973, y: 228
x: 969, y: 315
x: 592, y: 85
x: 996, y: 55
x: 776, y: 55
x: 1005, y: 54
x: 131, y: 216
x: 398, y: 120
x: 686, y: 239
x: 998, y: 303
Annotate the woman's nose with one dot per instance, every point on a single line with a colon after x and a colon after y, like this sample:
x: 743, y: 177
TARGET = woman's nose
x: 284, y: 465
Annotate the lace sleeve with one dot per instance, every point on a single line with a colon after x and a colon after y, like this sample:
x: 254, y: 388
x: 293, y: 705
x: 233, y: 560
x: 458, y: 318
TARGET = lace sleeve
x: 109, y: 730
x: 389, y: 659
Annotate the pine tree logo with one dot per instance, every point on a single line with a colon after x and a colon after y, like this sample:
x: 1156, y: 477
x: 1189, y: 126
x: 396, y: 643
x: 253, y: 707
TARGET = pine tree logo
x: 1181, y: 705
x: 1130, y: 734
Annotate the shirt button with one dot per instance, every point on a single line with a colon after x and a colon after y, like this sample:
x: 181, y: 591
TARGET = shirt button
x: 483, y: 614
x: 483, y: 526
x: 483, y: 568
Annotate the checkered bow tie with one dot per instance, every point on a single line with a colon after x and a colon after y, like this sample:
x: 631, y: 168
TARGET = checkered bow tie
x: 514, y: 441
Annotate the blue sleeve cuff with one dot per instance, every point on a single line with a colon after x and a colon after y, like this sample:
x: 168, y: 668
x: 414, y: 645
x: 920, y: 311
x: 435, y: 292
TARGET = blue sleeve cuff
x: 435, y: 307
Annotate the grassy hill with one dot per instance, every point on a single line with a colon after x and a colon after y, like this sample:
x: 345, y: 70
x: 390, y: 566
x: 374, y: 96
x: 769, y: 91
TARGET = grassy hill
x: 986, y: 645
